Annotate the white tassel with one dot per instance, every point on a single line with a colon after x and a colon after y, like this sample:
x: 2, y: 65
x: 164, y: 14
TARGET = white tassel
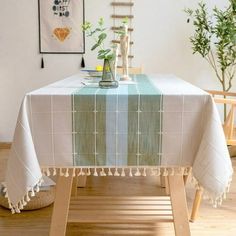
x: 48, y: 172
x: 215, y: 204
x: 9, y: 204
x: 186, y: 171
x: 172, y: 172
x: 67, y: 172
x: 116, y: 173
x: 54, y: 171
x: 130, y: 172
x: 165, y: 173
x: 182, y: 171
x: 37, y: 188
x: 144, y: 172
x: 123, y: 172
x: 102, y: 172
x: 12, y: 210
x: 24, y: 202
x: 61, y: 173
x: 137, y: 172
x: 4, y: 190
x: 158, y: 173
x: 6, y: 195
x: 95, y: 173
x: 42, y: 171
x: 82, y: 172
x: 21, y: 205
x: 32, y: 192
x: 224, y: 195
x: 88, y: 172
x: 152, y: 172
x: 41, y: 181
x: 109, y: 172
x: 27, y: 197
x: 17, y: 210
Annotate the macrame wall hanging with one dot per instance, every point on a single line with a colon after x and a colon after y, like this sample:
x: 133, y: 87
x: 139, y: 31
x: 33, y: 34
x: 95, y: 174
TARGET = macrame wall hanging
x: 123, y: 9
x: 60, y: 29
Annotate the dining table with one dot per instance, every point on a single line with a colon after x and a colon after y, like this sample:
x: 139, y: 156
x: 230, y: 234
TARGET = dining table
x: 156, y: 124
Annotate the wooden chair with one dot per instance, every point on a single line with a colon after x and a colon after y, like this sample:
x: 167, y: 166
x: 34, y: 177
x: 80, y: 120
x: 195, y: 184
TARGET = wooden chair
x: 228, y: 99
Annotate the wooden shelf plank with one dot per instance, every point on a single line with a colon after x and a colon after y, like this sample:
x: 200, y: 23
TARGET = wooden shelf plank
x: 122, y: 16
x: 122, y: 4
x: 115, y: 209
x: 118, y: 41
x: 130, y: 56
x: 119, y: 28
x: 5, y: 145
x: 75, y: 216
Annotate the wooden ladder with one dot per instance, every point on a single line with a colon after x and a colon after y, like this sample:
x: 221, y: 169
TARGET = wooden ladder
x: 121, y: 10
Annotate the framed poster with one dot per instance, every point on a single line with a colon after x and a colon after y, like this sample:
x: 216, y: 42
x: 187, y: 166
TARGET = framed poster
x: 60, y: 28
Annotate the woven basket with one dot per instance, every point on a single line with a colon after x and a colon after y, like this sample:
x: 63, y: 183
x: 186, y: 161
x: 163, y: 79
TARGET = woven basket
x: 41, y: 199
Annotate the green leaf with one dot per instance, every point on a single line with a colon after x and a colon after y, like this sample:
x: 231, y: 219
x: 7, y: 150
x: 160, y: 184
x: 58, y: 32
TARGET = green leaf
x: 94, y: 46
x: 102, y: 36
x: 101, y: 22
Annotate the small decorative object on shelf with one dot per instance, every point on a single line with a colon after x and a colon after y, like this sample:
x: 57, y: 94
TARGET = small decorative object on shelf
x: 124, y: 49
x: 123, y: 9
x: 109, y: 55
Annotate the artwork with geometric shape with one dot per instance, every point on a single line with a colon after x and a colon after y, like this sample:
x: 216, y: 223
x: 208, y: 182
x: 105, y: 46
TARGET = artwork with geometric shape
x: 60, y: 26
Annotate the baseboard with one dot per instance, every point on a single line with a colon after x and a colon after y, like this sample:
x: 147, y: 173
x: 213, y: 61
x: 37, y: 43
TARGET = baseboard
x: 5, y: 145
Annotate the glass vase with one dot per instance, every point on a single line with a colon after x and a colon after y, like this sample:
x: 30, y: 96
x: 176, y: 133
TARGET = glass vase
x: 108, y: 75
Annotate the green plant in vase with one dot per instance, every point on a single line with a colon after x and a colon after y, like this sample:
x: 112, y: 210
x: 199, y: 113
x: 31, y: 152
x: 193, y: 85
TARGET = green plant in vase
x: 215, y: 40
x: 109, y: 55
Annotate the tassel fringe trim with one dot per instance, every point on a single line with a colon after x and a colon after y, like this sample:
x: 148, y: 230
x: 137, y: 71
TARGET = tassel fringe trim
x: 113, y: 171
x: 23, y: 202
x: 117, y: 171
x: 216, y: 201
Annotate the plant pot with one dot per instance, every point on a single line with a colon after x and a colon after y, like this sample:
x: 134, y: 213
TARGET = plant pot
x: 108, y: 75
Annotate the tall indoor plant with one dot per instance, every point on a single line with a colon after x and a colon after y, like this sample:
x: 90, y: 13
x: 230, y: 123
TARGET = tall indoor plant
x: 215, y: 40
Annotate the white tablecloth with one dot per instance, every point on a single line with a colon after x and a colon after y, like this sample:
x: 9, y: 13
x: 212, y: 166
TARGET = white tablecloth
x: 191, y: 137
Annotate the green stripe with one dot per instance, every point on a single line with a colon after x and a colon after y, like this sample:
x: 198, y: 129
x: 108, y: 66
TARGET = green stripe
x: 143, y: 96
x: 150, y: 139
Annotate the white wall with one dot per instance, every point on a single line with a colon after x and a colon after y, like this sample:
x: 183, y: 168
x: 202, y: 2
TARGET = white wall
x: 161, y: 46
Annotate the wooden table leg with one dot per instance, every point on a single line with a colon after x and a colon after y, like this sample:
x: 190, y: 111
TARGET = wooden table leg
x: 196, y: 204
x: 163, y: 181
x: 82, y: 181
x: 167, y: 186
x: 61, y: 205
x: 179, y: 205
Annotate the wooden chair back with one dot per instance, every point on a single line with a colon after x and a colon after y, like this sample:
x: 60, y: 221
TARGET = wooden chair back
x: 132, y: 70
x: 229, y: 99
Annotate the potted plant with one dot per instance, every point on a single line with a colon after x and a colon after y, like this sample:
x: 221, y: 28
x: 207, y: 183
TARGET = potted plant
x: 109, y: 55
x: 215, y: 40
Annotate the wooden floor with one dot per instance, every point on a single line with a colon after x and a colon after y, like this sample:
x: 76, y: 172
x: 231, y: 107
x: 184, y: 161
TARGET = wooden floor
x: 211, y: 222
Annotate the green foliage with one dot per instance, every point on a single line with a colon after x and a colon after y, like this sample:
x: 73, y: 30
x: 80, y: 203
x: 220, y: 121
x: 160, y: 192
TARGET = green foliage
x: 215, y: 39
x: 121, y: 30
x: 99, y: 36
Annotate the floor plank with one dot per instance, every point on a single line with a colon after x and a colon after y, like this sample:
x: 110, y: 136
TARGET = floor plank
x: 211, y: 221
